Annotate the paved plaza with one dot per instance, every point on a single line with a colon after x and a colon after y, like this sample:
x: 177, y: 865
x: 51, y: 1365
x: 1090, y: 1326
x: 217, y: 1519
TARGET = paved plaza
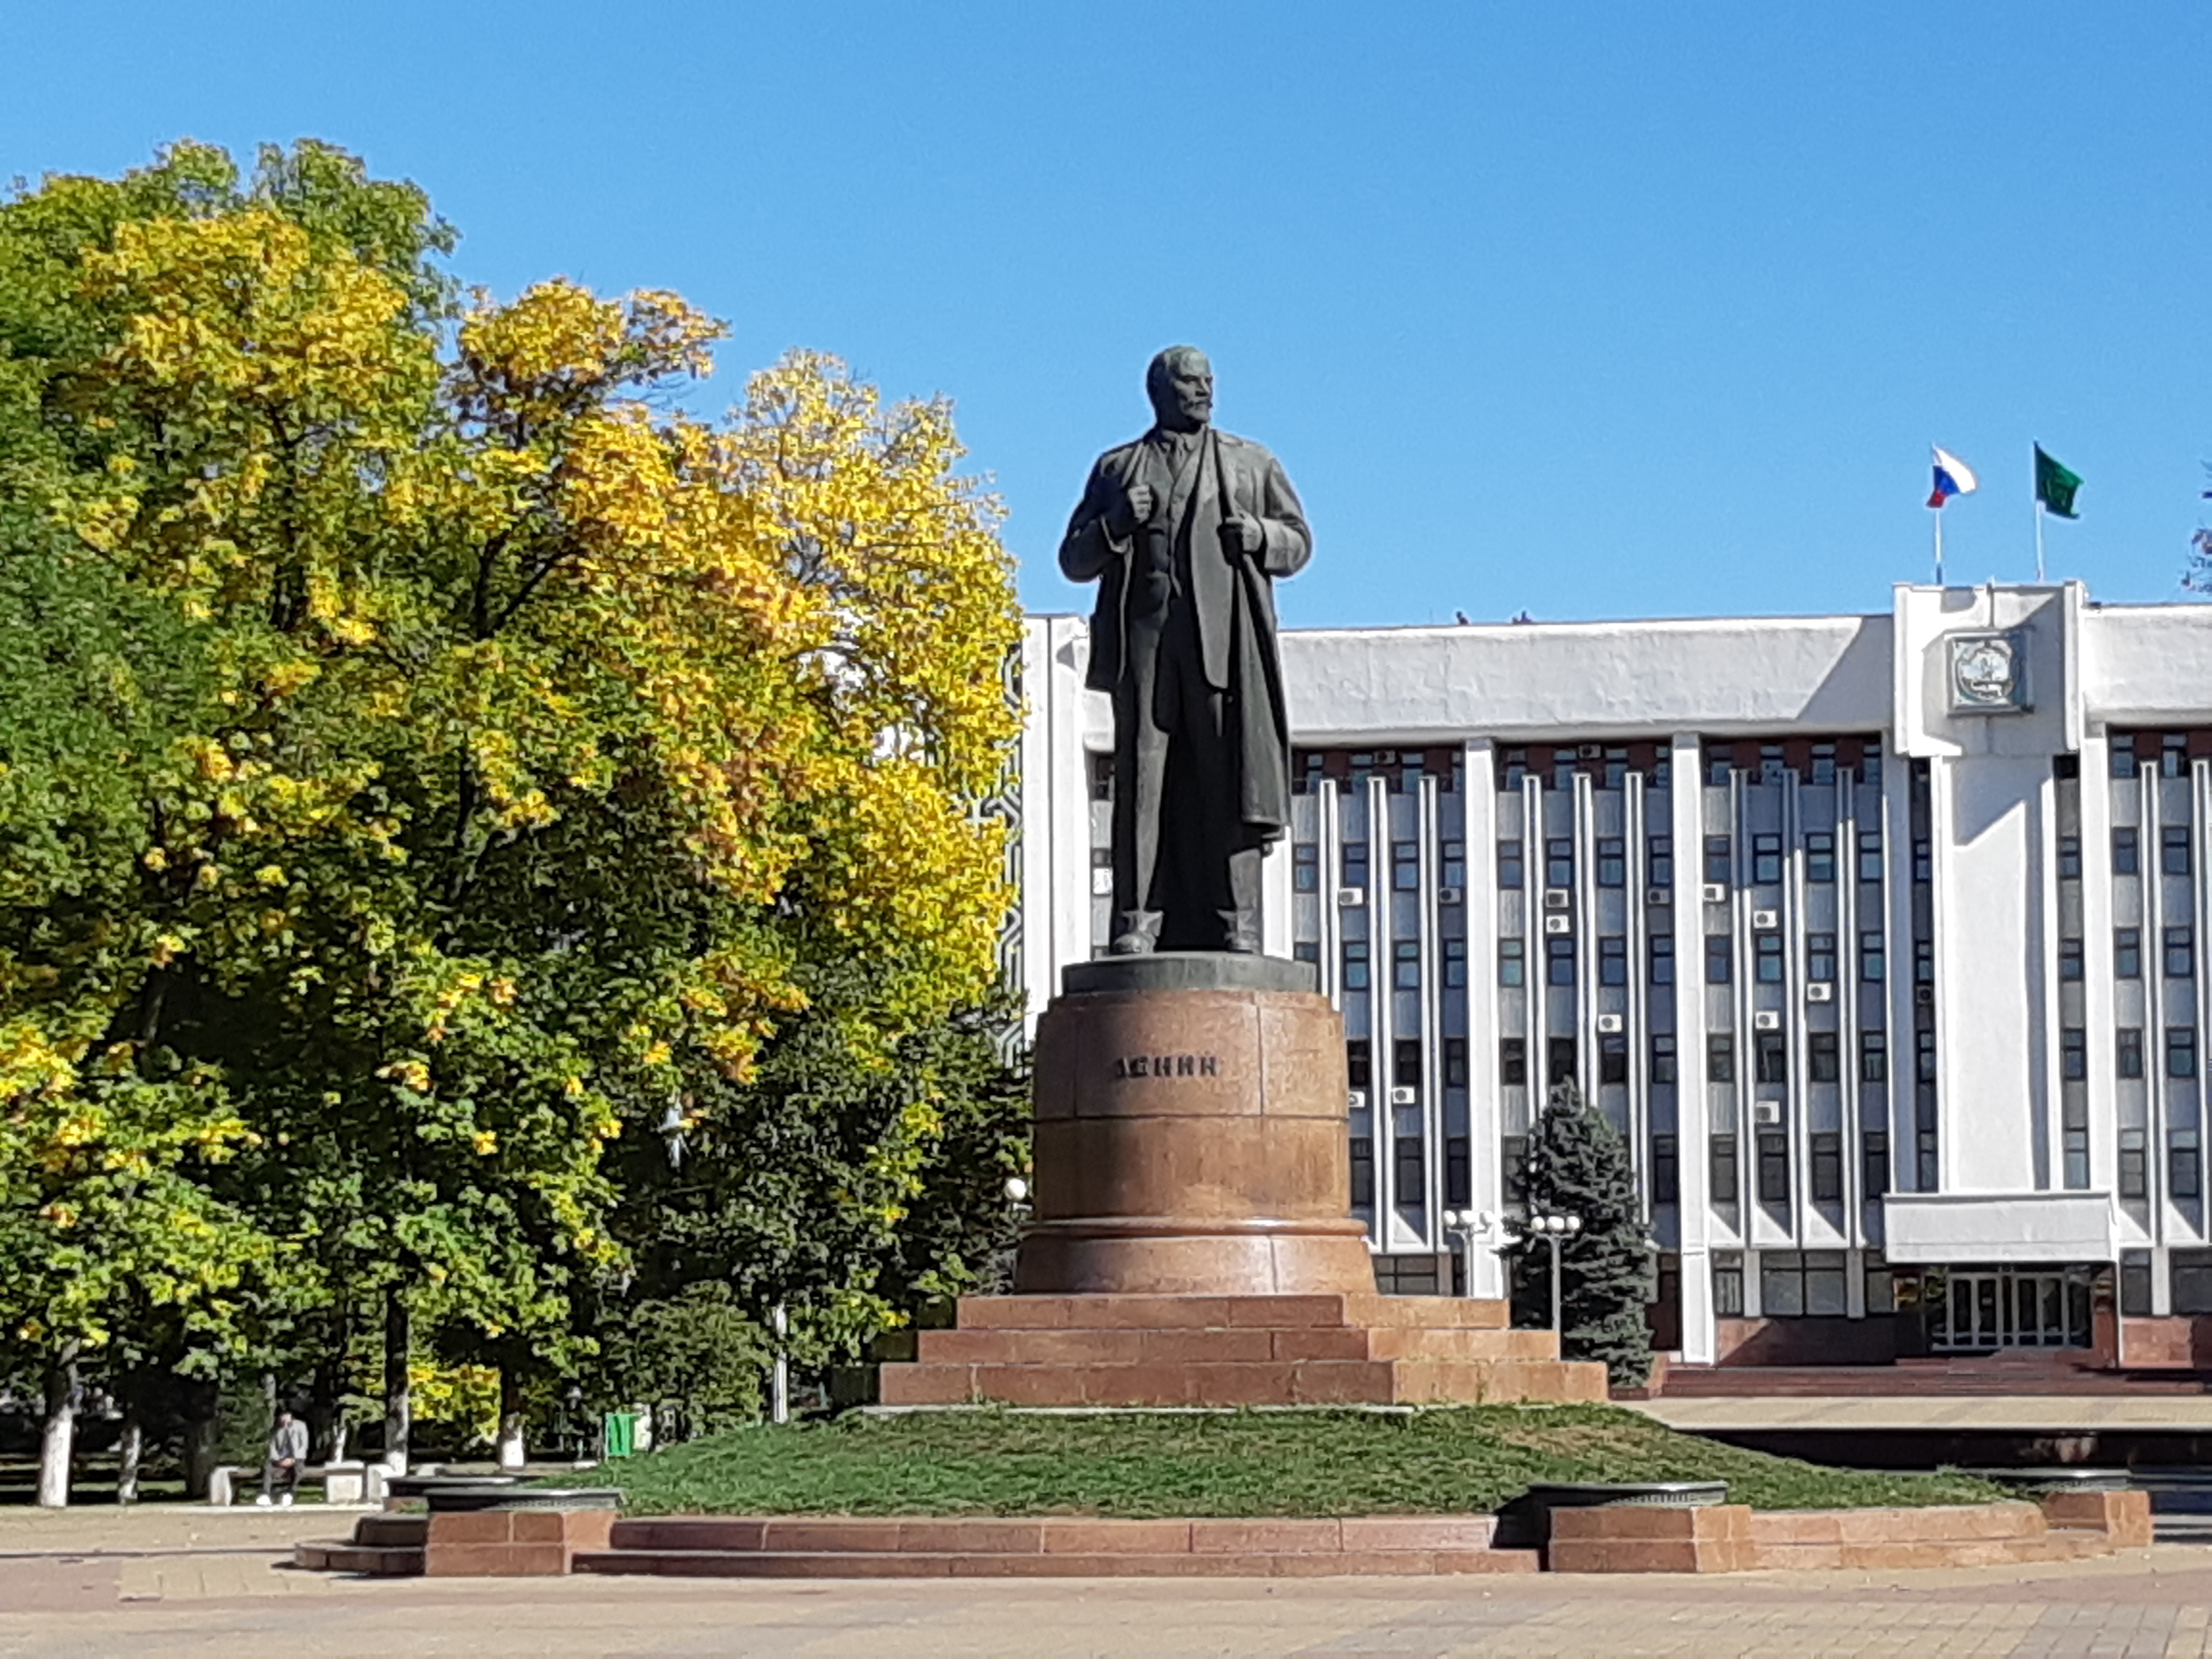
x: 191, y: 1582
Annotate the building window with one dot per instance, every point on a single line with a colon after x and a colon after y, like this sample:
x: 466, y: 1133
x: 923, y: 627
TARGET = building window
x: 1454, y: 1062
x: 1663, y: 1056
x: 1453, y: 859
x: 1722, y: 1169
x: 1509, y: 864
x: 1412, y: 1174
x: 1827, y: 1168
x: 1559, y: 959
x: 1728, y: 1285
x: 2069, y: 958
x: 2074, y: 1055
x: 1513, y: 1165
x: 2191, y: 1273
x: 1665, y: 1171
x: 1405, y: 866
x: 1405, y: 1062
x: 1560, y: 1052
x: 1824, y: 763
x: 1355, y: 964
x: 2135, y: 1167
x: 1612, y: 862
x: 1101, y: 777
x: 1717, y: 768
x: 1874, y: 1157
x: 1720, y: 1057
x: 2181, y: 1051
x: 2135, y: 1283
x: 1662, y: 958
x: 1455, y: 963
x: 1769, y: 964
x: 1362, y: 1172
x: 1823, y: 1057
x: 2127, y: 952
x: 1873, y: 1057
x: 1766, y: 860
x: 1459, y: 1171
x: 2173, y: 754
x: 1612, y: 1057
x: 1612, y: 960
x: 1718, y: 949
x: 2173, y: 849
x: 2122, y: 751
x: 2069, y: 858
x: 1659, y: 856
x: 1307, y: 950
x: 1720, y: 860
x: 1511, y: 963
x: 1560, y: 862
x: 1881, y: 1286
x: 1870, y: 858
x: 1358, y: 1062
x: 1873, y: 965
x: 2127, y: 1051
x: 1870, y: 764
x: 1924, y: 868
x: 1820, y: 858
x: 1406, y: 964
x: 1802, y: 1283
x: 1513, y: 1061
x: 1924, y: 961
x: 2075, y: 1142
x: 1355, y: 865
x: 2180, y: 954
x: 1305, y: 867
x: 1820, y: 959
x: 1772, y: 1063
x: 1923, y: 1056
x: 2123, y: 851
x: 2185, y: 1164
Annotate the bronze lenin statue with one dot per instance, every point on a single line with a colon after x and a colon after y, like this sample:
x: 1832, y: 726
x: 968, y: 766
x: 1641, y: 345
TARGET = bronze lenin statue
x: 1185, y: 530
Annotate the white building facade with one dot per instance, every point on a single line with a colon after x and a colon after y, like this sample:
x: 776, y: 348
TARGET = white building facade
x: 1878, y: 937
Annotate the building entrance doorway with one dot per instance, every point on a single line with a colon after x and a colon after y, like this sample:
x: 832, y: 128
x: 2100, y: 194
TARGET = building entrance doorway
x: 2003, y: 1308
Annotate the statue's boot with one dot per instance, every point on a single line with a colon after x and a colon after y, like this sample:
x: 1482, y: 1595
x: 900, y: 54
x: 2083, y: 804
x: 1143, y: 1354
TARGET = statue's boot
x: 1140, y: 934
x: 1240, y: 931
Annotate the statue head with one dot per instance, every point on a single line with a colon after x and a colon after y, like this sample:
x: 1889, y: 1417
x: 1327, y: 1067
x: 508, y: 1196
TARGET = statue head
x: 1180, y: 383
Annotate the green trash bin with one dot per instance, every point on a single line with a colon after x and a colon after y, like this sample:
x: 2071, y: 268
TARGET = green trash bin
x: 621, y: 1434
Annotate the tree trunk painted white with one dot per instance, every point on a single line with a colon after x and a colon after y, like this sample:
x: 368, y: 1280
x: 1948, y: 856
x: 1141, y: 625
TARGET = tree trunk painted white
x: 59, y: 1441
x: 398, y: 1344
x: 511, y: 1456
x: 129, y: 1453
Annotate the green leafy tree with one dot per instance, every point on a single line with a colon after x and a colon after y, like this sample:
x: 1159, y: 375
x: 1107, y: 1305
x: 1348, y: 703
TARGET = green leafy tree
x: 1576, y: 1164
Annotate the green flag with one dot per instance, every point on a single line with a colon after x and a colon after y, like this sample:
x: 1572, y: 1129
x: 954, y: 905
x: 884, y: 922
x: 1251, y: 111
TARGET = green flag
x: 2054, y: 485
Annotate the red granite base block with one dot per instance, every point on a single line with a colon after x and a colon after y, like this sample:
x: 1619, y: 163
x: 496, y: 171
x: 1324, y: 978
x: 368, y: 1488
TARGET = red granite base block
x: 513, y: 1543
x: 2123, y: 1517
x: 1731, y: 1538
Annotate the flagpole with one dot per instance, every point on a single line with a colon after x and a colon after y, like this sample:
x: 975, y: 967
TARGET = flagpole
x: 1939, y: 547
x: 2038, y: 544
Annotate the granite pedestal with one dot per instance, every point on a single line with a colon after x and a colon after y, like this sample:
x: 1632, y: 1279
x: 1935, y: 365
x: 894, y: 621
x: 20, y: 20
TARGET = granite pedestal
x: 1193, y: 1244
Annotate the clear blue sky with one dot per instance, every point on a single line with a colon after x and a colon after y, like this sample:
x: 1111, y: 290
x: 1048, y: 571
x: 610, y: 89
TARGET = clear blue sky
x: 1591, y: 310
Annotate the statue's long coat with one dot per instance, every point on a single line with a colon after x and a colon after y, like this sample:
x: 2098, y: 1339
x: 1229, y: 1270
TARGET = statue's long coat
x: 1234, y: 598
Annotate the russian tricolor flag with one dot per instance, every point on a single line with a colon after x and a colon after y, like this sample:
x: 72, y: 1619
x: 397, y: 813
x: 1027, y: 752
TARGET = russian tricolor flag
x: 1953, y: 477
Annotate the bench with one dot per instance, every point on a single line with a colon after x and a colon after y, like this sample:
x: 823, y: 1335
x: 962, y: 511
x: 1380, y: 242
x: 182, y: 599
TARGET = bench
x: 347, y: 1483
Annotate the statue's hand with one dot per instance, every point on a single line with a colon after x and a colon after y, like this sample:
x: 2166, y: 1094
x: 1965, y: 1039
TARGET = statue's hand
x: 1242, y: 533
x: 1137, y: 508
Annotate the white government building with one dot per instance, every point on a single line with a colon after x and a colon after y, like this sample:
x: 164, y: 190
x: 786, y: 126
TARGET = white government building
x: 1878, y: 936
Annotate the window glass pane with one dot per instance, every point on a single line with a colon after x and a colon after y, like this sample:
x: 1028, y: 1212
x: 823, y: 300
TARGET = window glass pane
x: 2069, y: 958
x: 2181, y: 1051
x: 1719, y: 948
x: 1766, y: 859
x: 1611, y: 863
x: 1660, y: 856
x: 2127, y: 952
x: 2069, y: 858
x: 1559, y: 960
x: 1769, y: 959
x: 1719, y: 860
x: 1821, y: 1052
x: 2127, y: 1051
x: 1355, y: 964
x: 1454, y: 962
x: 1872, y: 963
x: 1405, y: 866
x: 2180, y: 954
x: 1454, y: 864
x: 1869, y: 857
x: 1662, y: 1057
x: 1407, y: 958
x: 1612, y: 1057
x: 1560, y: 862
x: 1305, y: 866
x: 1720, y: 1057
x: 1510, y: 965
x: 1873, y: 1057
x: 1781, y: 1284
x: 1820, y: 857
x: 2174, y: 843
x: 1821, y: 957
x: 2123, y: 851
x: 1773, y: 1057
x: 1509, y: 864
x: 1358, y: 1062
x: 1662, y: 958
x: 1612, y: 960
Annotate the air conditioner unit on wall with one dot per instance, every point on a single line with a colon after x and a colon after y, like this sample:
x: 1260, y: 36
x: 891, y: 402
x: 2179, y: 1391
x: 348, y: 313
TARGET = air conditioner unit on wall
x: 1447, y: 896
x: 1351, y: 898
x: 1356, y: 1101
x: 1716, y: 892
x: 1765, y: 920
x: 1588, y: 750
x: 1658, y: 895
x: 1405, y: 1096
x: 1766, y: 1111
x: 1556, y: 898
x: 1557, y: 925
x: 1608, y: 1022
x: 1924, y: 995
x: 1766, y: 1019
x: 1819, y: 991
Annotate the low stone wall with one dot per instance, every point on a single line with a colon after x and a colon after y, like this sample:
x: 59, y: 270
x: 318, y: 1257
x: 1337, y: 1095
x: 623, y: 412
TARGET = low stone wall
x: 1732, y: 1537
x: 513, y: 1543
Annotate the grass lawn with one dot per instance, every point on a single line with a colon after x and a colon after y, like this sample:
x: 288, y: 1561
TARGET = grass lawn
x: 1451, y: 1461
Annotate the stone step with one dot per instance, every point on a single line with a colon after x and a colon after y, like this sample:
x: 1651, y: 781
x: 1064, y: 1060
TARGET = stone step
x: 1227, y: 1312
x: 764, y: 1564
x: 1271, y: 1383
x: 338, y: 1555
x: 392, y: 1531
x: 1022, y: 1345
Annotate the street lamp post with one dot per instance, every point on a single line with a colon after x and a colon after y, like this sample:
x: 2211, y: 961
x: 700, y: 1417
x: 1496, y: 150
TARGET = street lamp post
x: 1466, y: 1225
x: 1555, y: 1230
